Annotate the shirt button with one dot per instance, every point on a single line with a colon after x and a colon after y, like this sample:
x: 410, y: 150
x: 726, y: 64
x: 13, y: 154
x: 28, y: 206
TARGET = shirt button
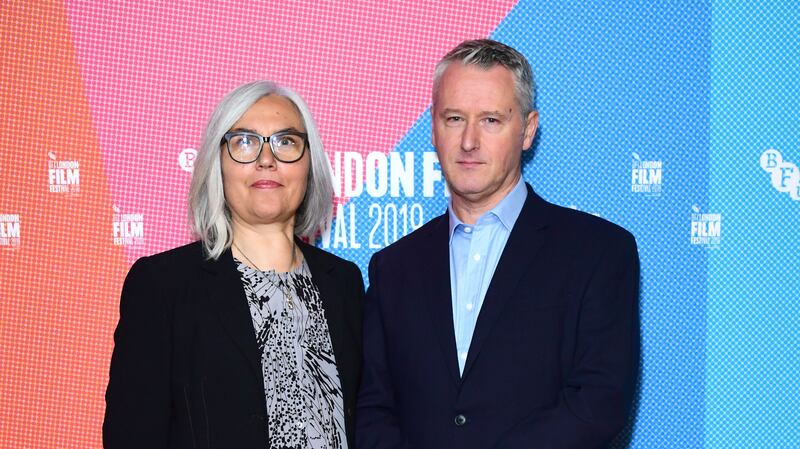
x: 460, y: 420
x: 463, y: 355
x: 469, y: 306
x: 467, y: 229
x: 476, y: 257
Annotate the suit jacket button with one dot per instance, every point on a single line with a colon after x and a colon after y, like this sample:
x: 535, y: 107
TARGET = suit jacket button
x: 349, y: 411
x: 460, y: 420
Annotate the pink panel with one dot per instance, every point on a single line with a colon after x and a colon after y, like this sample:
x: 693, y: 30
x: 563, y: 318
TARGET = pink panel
x: 154, y: 70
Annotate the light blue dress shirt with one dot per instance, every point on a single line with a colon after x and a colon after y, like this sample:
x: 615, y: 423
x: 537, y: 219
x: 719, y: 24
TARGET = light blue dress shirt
x: 474, y: 253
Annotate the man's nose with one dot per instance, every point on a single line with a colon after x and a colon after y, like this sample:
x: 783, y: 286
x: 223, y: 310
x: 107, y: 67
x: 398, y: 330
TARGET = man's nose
x: 470, y: 138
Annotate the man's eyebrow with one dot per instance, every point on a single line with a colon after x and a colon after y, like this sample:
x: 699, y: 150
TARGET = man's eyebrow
x: 450, y: 111
x: 495, y: 113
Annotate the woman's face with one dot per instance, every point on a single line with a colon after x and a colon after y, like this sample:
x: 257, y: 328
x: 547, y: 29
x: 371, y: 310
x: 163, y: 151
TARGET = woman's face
x: 266, y: 191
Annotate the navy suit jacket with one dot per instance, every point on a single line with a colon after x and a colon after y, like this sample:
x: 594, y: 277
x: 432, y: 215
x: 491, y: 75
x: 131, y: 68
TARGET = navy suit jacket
x: 554, y: 357
x: 186, y: 368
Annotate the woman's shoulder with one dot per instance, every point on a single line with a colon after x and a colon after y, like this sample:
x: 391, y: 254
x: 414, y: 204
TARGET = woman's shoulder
x: 190, y: 252
x: 171, y: 263
x: 318, y: 258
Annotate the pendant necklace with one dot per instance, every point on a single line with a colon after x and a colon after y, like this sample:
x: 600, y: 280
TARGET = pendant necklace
x: 283, y: 288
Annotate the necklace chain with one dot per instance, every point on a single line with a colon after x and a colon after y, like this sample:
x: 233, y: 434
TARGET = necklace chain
x: 285, y: 289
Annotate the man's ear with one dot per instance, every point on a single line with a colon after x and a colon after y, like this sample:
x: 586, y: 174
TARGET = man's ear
x: 433, y: 128
x: 531, y: 125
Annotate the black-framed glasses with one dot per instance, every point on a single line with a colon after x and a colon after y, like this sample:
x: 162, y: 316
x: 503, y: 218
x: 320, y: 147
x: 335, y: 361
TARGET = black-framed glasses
x: 245, y: 146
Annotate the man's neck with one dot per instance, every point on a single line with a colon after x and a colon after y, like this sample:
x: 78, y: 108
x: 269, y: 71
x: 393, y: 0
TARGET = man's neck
x: 469, y: 209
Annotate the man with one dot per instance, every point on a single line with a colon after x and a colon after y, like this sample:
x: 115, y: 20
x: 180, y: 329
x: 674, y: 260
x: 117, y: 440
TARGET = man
x: 507, y: 322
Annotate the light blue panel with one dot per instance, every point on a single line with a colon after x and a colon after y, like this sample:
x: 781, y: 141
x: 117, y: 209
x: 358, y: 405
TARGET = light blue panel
x: 753, y: 343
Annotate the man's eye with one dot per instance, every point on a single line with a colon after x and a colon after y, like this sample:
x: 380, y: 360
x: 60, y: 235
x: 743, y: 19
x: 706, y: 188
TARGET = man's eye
x: 453, y: 119
x: 492, y: 120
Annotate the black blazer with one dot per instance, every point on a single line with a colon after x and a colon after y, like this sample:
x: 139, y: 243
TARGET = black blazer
x: 554, y: 355
x: 186, y: 370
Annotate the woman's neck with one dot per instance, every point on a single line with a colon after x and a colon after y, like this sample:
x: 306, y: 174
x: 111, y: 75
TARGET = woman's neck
x: 267, y: 246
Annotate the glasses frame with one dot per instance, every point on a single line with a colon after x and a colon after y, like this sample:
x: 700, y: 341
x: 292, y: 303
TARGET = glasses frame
x: 226, y: 139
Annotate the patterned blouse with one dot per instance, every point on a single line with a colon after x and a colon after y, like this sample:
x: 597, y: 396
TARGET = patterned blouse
x: 301, y: 382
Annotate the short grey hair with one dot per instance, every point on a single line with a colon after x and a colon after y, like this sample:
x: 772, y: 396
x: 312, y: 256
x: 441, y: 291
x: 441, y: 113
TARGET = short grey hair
x: 209, y: 215
x: 487, y: 53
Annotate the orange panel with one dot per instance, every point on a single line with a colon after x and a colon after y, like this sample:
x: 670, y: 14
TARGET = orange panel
x: 60, y: 286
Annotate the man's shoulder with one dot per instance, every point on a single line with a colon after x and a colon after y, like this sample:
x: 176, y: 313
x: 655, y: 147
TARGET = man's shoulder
x: 579, y: 226
x: 418, y: 239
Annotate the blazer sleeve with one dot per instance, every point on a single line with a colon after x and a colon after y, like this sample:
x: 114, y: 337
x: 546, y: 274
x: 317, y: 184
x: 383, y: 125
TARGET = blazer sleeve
x: 598, y: 391
x: 138, y: 399
x: 377, y: 425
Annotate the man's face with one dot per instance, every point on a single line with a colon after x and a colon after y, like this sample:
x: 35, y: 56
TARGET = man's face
x: 479, y: 133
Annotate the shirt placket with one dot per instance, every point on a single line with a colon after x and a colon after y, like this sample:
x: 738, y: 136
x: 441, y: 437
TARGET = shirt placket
x: 469, y: 294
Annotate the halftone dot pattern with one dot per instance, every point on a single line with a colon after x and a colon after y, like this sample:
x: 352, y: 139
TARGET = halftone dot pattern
x: 583, y: 158
x: 143, y: 81
x: 123, y: 87
x: 376, y: 219
x: 608, y: 88
x: 152, y: 83
x: 60, y: 288
x: 753, y: 286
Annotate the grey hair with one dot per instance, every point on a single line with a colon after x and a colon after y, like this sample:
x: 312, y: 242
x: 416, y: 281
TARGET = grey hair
x: 487, y: 53
x: 209, y: 216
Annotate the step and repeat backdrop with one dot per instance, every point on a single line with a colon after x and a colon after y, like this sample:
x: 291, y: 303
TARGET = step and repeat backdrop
x: 678, y: 120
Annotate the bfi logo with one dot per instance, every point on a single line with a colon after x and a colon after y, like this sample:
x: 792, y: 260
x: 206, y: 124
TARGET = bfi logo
x: 784, y: 176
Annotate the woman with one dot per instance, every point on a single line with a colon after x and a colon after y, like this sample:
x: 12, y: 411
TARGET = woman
x: 248, y: 338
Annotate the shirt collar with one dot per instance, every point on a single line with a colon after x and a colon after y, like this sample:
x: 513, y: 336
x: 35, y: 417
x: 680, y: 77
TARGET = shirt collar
x: 507, y: 210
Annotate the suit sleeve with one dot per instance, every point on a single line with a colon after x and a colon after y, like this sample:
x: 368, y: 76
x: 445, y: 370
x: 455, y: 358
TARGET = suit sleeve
x: 598, y: 390
x: 138, y: 399
x: 377, y: 425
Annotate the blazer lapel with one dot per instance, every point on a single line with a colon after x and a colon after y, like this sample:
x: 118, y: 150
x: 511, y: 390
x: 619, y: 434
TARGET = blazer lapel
x: 226, y: 295
x: 519, y: 253
x: 435, y: 282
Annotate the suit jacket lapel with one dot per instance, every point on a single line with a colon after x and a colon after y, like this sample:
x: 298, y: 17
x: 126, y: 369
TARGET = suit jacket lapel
x: 435, y: 286
x: 526, y: 238
x: 226, y: 295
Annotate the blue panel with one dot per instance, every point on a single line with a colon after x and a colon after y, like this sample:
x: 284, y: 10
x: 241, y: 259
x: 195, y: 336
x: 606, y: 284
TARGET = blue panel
x: 381, y: 220
x: 617, y: 79
x: 655, y: 117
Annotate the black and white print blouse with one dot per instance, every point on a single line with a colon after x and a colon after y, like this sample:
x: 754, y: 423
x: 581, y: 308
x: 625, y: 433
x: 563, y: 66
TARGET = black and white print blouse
x: 301, y: 382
